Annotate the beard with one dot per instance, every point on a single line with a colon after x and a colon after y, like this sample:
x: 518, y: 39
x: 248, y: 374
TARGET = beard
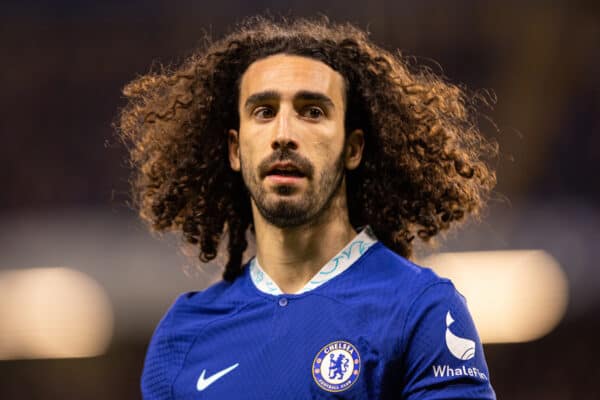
x: 282, y: 208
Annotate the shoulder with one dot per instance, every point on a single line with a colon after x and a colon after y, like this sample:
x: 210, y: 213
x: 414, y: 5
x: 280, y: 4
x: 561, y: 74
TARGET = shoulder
x: 188, y: 315
x: 391, y: 287
x: 417, y: 290
x: 438, y: 343
x: 200, y: 307
x: 394, y: 274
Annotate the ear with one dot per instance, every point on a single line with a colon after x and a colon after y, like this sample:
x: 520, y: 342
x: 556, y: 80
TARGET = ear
x: 355, y: 144
x: 233, y: 144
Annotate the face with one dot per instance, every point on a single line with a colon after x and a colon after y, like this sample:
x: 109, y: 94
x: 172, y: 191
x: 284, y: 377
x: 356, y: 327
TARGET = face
x: 290, y: 146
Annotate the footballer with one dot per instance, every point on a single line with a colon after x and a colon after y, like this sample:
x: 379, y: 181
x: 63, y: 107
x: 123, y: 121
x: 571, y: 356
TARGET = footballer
x: 332, y: 156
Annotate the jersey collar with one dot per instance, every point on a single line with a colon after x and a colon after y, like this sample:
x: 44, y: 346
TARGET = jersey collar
x: 338, y: 264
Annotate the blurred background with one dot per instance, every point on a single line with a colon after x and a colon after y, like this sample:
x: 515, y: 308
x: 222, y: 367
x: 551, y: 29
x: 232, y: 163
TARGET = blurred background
x: 82, y: 281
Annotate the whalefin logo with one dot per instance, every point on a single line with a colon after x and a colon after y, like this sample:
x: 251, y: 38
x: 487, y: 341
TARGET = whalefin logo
x: 461, y: 348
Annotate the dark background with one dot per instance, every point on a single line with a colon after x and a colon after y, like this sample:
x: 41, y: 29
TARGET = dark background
x: 64, y: 177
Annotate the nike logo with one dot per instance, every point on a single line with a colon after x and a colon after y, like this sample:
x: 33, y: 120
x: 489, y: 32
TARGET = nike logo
x: 203, y: 382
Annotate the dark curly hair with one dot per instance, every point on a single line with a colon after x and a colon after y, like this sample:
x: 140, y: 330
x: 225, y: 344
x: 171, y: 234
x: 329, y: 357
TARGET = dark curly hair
x: 423, y: 167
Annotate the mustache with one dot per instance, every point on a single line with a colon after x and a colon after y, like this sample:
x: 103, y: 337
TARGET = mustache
x: 285, y: 155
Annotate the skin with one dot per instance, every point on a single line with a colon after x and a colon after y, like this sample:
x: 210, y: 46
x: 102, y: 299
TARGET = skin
x: 292, y: 111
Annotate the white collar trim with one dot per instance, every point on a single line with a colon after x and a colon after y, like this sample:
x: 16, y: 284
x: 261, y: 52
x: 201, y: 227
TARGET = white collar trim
x: 338, y: 264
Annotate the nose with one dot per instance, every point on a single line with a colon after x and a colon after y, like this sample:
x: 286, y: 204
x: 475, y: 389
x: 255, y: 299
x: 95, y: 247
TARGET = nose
x: 284, y: 137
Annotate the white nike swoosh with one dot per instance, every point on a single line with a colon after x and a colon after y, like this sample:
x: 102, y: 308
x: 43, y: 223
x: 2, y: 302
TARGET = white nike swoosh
x: 203, y: 383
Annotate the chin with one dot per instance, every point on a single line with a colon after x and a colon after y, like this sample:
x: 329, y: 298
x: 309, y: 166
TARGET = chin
x: 286, y: 191
x: 287, y: 203
x: 285, y: 212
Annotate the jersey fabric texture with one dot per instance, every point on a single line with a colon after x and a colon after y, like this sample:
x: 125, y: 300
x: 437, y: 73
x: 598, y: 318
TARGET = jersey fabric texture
x: 376, y: 327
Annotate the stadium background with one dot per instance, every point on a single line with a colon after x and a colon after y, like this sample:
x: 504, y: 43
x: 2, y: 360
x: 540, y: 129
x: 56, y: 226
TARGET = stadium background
x: 64, y: 175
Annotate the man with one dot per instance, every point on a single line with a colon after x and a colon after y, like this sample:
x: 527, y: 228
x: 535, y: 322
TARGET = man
x: 332, y: 156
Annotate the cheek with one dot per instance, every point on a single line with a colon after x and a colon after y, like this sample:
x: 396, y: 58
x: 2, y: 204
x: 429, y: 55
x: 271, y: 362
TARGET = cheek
x: 326, y: 156
x: 329, y: 146
x: 250, y: 151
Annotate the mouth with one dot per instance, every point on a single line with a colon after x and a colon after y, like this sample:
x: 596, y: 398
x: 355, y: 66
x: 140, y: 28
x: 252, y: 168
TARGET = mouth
x: 284, y: 174
x: 285, y: 170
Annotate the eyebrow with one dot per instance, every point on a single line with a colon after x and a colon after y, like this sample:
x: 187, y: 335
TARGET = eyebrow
x: 272, y: 95
x: 314, y: 96
x: 261, y: 97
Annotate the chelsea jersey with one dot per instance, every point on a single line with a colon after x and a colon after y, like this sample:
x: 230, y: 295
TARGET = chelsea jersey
x: 369, y: 325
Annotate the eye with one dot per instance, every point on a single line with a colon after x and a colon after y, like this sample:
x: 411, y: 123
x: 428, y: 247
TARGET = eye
x: 263, y: 112
x: 313, y: 112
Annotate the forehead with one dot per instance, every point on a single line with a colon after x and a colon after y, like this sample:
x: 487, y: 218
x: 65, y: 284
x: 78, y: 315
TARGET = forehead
x: 289, y: 74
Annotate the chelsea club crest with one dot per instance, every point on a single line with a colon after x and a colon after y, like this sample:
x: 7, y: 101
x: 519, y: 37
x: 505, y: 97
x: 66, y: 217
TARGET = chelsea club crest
x: 336, y: 366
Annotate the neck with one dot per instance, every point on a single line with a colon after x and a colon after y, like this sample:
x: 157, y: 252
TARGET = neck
x: 292, y: 256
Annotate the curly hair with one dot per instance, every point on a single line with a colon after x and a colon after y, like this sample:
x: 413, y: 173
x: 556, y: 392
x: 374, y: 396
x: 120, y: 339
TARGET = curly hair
x: 424, y: 165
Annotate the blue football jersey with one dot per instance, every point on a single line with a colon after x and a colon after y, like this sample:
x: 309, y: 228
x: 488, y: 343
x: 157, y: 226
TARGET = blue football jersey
x: 370, y: 325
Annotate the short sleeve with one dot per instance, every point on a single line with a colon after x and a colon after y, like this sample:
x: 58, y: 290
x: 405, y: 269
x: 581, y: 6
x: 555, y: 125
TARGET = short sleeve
x: 443, y: 356
x: 164, y: 354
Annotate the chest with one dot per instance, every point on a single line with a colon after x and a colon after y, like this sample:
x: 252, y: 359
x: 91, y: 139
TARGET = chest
x: 289, y: 348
